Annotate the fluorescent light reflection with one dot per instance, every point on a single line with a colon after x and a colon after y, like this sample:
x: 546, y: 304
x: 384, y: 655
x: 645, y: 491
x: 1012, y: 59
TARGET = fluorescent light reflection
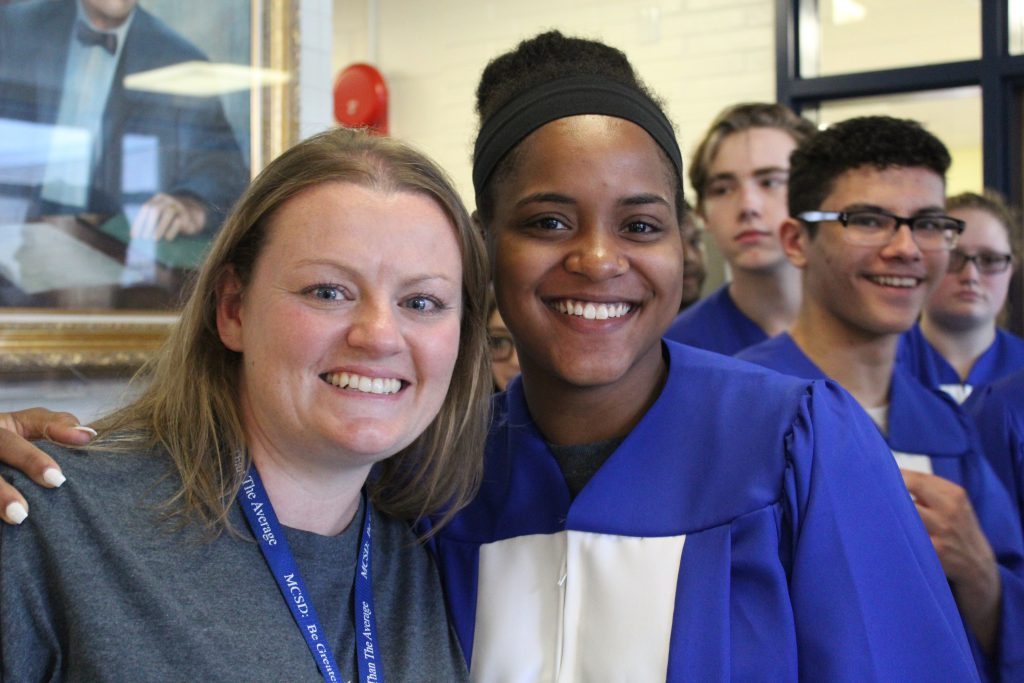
x: 847, y: 12
x: 204, y: 79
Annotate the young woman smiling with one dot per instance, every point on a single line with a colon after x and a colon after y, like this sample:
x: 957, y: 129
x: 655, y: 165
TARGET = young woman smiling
x: 651, y: 511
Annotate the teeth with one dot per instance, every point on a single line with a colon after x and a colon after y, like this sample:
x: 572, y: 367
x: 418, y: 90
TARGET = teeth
x: 375, y: 385
x: 889, y: 281
x: 592, y: 311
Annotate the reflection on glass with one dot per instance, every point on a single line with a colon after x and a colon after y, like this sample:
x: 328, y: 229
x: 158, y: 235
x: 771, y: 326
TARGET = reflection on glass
x: 850, y: 36
x: 954, y: 115
x: 122, y: 181
x: 1015, y: 12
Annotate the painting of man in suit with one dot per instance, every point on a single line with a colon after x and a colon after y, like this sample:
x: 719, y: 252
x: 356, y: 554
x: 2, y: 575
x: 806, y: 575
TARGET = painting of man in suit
x: 64, y: 62
x: 170, y: 163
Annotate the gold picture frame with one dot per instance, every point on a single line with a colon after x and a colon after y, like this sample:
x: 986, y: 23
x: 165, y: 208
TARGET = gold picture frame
x: 35, y: 339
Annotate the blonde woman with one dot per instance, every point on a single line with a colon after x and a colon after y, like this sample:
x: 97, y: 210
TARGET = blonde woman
x: 247, y: 518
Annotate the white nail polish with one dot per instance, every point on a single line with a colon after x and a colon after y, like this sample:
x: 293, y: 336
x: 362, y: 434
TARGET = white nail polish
x: 53, y: 477
x: 16, y: 512
x: 87, y: 430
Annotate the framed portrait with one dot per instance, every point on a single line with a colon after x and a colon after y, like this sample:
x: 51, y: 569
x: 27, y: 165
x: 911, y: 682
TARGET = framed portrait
x: 124, y: 143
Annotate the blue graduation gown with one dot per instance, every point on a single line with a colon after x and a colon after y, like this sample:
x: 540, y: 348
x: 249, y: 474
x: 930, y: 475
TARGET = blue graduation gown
x: 998, y: 411
x: 716, y: 324
x: 751, y: 527
x: 916, y: 353
x: 925, y: 421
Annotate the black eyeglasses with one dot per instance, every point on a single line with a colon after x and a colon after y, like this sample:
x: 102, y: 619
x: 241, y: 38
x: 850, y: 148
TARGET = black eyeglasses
x: 501, y: 346
x: 987, y: 262
x: 877, y: 228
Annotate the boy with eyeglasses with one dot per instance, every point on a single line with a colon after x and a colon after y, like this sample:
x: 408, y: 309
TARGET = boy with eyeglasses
x: 957, y: 346
x: 869, y: 232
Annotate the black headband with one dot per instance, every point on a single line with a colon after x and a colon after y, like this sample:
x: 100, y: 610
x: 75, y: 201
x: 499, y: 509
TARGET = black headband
x: 571, y: 96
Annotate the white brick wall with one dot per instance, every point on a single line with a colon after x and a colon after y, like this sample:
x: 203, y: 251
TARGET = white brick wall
x: 698, y: 55
x: 315, y: 73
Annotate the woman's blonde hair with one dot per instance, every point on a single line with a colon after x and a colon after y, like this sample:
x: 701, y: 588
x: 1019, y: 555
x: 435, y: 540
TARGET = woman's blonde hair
x: 190, y: 406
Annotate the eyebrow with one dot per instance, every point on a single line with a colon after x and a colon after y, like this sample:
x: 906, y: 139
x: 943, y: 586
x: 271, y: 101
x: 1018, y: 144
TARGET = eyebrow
x: 926, y: 211
x: 545, y: 198
x: 766, y: 170
x: 642, y: 199
x: 416, y: 279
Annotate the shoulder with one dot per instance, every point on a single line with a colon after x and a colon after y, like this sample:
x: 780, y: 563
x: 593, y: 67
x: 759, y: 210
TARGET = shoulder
x: 999, y: 403
x: 1011, y: 342
x: 97, y: 483
x: 707, y: 367
x: 716, y: 324
x: 750, y: 414
x: 707, y: 309
x: 35, y: 11
x: 36, y: 18
x: 1009, y: 390
x: 771, y: 352
x: 396, y: 535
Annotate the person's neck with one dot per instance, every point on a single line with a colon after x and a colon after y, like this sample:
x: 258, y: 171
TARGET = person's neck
x: 102, y: 22
x: 771, y: 298
x: 309, y: 498
x: 862, y: 364
x: 568, y: 414
x: 960, y: 348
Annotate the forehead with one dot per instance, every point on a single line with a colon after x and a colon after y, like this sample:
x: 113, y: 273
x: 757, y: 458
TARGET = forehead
x: 752, y: 149
x: 982, y: 229
x: 346, y: 221
x: 898, y: 189
x: 588, y: 150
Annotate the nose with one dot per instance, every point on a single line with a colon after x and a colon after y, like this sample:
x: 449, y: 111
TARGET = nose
x: 750, y: 198
x: 969, y: 272
x: 375, y: 328
x: 597, y: 255
x: 902, y: 245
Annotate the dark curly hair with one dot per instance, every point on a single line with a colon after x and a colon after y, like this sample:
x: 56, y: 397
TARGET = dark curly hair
x: 878, y: 141
x: 538, y: 60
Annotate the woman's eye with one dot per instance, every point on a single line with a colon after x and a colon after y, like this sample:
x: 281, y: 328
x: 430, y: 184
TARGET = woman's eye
x: 549, y: 223
x: 325, y: 292
x: 642, y: 228
x: 424, y: 304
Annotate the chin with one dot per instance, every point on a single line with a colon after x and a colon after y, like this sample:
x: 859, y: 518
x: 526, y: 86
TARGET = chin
x: 369, y: 448
x: 588, y: 373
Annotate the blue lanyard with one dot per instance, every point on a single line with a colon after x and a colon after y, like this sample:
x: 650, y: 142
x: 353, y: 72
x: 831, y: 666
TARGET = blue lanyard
x: 259, y: 512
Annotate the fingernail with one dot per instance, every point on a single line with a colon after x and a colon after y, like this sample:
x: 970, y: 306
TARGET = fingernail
x: 16, y: 512
x: 53, y: 477
x: 87, y: 430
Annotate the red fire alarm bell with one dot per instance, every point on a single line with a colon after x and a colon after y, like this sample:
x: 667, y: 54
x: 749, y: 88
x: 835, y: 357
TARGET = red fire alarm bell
x: 361, y: 98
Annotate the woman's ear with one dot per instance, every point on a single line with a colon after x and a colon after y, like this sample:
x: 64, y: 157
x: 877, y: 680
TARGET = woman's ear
x: 794, y: 238
x: 229, y: 309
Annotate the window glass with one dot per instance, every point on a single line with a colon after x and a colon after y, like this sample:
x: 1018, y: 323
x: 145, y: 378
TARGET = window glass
x: 1015, y: 9
x: 849, y: 36
x: 953, y: 115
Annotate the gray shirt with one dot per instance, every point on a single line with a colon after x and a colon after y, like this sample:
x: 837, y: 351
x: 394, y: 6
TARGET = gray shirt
x: 94, y: 586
